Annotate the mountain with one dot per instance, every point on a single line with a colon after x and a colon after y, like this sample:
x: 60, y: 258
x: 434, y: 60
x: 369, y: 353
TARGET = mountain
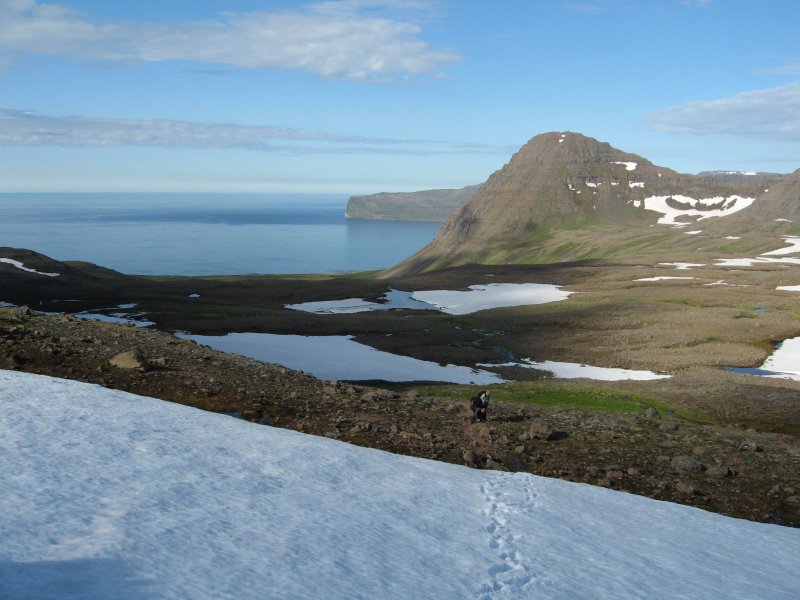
x: 113, y: 495
x: 430, y: 205
x: 566, y: 196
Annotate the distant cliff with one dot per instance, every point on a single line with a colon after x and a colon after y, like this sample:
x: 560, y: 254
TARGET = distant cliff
x: 430, y: 205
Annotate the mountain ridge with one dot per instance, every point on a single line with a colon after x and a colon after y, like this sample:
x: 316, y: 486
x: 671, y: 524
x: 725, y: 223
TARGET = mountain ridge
x: 562, y: 183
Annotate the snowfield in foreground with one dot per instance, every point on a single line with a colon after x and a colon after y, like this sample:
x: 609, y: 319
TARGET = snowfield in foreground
x: 105, y: 494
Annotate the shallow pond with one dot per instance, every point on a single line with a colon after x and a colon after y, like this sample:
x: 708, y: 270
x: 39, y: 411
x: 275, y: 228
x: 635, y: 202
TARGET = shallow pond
x: 340, y: 357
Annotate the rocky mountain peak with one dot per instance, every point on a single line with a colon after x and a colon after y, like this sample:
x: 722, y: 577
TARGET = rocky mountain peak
x: 561, y: 183
x: 570, y: 148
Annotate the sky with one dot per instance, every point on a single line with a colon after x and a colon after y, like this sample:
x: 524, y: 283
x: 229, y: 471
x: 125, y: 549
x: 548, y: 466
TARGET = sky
x: 107, y: 485
x: 364, y: 96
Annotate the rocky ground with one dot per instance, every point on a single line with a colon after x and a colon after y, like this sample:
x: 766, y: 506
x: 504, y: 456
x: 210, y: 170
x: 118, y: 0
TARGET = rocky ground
x: 727, y: 469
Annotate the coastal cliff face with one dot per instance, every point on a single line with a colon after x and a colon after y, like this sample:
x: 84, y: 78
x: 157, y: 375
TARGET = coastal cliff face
x: 565, y: 196
x: 430, y: 205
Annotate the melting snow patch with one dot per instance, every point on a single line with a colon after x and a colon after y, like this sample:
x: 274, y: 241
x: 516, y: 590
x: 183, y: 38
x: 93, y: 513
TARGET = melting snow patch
x: 703, y: 208
x: 629, y: 166
x: 782, y: 220
x: 20, y: 266
x: 393, y: 299
x: 661, y: 278
x: 565, y: 370
x: 592, y: 184
x: 493, y: 295
x: 479, y: 297
x: 789, y: 288
x: 681, y: 266
x: 723, y: 282
x: 6, y: 304
x: 733, y: 237
x: 794, y: 246
x: 749, y: 262
x: 783, y: 364
x: 635, y: 184
x: 693, y: 232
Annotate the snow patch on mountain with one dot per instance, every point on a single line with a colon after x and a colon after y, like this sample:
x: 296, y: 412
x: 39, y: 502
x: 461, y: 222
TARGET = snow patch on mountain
x: 22, y: 267
x: 679, y: 210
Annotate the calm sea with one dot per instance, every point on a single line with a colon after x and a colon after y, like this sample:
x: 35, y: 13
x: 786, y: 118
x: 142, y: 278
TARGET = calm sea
x: 206, y: 234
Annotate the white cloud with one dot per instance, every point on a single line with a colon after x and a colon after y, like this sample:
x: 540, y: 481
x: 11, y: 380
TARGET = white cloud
x: 770, y: 113
x: 23, y: 128
x: 352, y: 39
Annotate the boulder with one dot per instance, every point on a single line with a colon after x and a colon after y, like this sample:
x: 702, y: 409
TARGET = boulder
x: 132, y: 359
x: 686, y: 464
x: 538, y: 430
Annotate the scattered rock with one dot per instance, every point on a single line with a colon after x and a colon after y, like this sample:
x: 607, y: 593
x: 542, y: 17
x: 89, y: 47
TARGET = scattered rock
x: 751, y: 446
x: 471, y: 457
x: 652, y: 413
x: 721, y: 472
x: 538, y: 430
x: 17, y: 313
x: 686, y: 464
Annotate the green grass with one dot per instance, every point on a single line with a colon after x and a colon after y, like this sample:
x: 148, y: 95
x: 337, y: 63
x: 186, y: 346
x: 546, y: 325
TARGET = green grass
x: 551, y: 394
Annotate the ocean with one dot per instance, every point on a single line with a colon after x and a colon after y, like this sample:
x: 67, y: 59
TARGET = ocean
x: 207, y: 234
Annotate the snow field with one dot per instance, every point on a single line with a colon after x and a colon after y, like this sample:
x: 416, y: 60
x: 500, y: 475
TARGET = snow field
x: 116, y: 495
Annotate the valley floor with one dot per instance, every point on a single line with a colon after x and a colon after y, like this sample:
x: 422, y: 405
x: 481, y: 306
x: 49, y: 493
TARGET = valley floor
x: 644, y: 448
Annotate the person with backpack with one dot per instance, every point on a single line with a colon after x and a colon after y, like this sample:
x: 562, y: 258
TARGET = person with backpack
x: 480, y: 406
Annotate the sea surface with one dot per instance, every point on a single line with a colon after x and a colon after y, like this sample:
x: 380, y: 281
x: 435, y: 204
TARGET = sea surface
x: 207, y: 234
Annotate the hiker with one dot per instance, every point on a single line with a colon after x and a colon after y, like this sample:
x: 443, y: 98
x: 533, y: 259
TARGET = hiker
x: 479, y: 405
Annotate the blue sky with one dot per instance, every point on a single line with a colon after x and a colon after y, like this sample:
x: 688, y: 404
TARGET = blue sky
x: 362, y: 96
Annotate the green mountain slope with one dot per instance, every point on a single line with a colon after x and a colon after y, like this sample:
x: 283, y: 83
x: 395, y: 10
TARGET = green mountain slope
x: 565, y: 196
